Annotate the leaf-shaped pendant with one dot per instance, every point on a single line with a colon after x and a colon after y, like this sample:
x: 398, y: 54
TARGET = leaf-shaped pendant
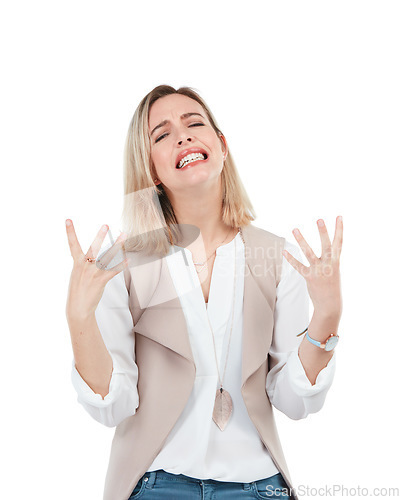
x: 222, y: 408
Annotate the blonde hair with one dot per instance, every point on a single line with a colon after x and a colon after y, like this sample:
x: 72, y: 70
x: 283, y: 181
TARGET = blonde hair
x: 147, y: 215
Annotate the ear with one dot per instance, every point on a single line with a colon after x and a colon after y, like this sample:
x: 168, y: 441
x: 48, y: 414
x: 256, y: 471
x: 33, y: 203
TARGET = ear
x: 224, y: 145
x: 153, y: 173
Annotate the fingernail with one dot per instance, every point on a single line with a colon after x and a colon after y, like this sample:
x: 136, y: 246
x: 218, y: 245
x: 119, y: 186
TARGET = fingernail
x: 321, y: 223
x: 340, y: 218
x: 296, y: 231
x: 104, y: 227
x: 67, y: 222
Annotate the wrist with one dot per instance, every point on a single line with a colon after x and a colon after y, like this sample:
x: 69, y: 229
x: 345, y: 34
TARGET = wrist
x: 78, y: 318
x: 331, y: 317
x: 322, y: 325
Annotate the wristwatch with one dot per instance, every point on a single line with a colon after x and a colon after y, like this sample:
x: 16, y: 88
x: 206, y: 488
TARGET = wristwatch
x: 329, y: 344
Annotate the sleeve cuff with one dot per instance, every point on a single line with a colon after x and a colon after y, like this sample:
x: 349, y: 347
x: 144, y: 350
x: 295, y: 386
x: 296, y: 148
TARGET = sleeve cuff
x: 299, y: 381
x: 87, y: 395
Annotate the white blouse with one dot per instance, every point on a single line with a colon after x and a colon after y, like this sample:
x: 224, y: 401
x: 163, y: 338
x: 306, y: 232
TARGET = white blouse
x: 196, y: 447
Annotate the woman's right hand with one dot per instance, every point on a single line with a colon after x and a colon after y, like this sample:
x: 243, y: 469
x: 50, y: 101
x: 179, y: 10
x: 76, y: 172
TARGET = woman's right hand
x: 88, y: 280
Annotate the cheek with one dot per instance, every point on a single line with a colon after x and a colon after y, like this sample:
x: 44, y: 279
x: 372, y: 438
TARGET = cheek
x: 154, y: 162
x: 156, y: 157
x: 215, y: 144
x: 160, y: 162
x: 217, y: 147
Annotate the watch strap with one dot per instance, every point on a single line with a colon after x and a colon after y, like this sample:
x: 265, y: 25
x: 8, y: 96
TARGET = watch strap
x: 315, y: 342
x: 322, y: 345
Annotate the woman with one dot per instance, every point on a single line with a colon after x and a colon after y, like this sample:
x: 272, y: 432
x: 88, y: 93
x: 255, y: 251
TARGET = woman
x: 187, y: 350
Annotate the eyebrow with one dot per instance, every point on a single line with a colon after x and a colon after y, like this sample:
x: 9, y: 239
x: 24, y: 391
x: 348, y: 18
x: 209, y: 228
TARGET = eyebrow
x: 185, y: 115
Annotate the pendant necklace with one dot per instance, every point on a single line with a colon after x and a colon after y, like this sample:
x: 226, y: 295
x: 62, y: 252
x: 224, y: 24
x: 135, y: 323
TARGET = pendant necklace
x: 202, y: 264
x: 223, y: 402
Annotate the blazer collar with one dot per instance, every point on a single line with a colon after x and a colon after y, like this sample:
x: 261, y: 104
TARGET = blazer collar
x: 163, y: 320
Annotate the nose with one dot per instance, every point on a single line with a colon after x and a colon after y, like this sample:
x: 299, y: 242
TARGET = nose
x: 188, y: 139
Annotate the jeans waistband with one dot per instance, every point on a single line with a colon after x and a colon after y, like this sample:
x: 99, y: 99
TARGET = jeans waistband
x: 162, y: 474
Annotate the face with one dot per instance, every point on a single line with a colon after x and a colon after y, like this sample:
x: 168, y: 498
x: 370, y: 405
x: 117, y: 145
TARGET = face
x: 178, y: 127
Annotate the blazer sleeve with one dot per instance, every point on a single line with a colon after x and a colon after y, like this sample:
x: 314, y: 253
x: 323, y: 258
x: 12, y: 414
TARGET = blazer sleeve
x: 287, y: 385
x: 115, y: 323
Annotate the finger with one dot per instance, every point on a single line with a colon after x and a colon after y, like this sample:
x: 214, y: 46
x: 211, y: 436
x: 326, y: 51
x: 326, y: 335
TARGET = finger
x: 311, y: 257
x: 75, y: 248
x: 338, y: 238
x: 301, y: 268
x: 104, y: 259
x: 119, y: 267
x: 97, y: 242
x: 108, y: 256
x: 326, y: 247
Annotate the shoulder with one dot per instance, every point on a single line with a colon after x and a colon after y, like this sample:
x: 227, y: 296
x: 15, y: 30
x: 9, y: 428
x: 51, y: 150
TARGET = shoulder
x: 266, y: 237
x: 260, y: 232
x: 258, y: 235
x: 264, y: 248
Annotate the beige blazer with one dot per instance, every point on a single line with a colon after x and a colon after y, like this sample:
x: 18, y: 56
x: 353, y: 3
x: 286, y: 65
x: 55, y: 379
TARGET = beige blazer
x: 166, y: 365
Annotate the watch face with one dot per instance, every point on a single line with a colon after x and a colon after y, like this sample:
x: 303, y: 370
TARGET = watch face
x: 331, y: 343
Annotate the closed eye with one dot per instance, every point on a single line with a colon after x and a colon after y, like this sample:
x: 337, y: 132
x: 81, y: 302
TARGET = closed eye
x: 159, y: 138
x: 192, y: 125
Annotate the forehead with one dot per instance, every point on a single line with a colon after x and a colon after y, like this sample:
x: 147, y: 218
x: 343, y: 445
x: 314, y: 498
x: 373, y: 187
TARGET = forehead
x: 172, y: 107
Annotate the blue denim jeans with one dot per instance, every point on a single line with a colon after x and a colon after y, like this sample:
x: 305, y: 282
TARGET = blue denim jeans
x: 159, y: 484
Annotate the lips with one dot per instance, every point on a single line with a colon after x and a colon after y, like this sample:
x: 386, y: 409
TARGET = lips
x: 185, y: 152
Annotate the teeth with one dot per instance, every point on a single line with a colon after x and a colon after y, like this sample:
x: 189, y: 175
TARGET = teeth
x: 189, y: 158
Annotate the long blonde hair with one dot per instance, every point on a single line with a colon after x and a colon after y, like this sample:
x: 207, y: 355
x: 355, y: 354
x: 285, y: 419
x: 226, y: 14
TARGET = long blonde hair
x: 148, y: 216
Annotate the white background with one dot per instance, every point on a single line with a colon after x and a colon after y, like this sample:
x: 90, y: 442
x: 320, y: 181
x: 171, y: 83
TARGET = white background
x: 307, y: 94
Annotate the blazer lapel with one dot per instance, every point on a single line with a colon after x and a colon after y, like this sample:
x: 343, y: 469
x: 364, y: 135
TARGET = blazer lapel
x: 163, y: 320
x: 257, y: 313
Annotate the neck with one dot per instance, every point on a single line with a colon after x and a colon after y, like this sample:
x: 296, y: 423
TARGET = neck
x: 202, y: 209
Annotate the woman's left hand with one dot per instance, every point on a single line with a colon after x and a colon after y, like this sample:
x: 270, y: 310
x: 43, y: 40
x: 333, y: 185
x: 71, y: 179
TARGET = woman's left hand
x: 323, y: 275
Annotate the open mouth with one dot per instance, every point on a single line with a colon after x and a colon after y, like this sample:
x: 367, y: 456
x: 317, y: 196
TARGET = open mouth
x: 191, y: 158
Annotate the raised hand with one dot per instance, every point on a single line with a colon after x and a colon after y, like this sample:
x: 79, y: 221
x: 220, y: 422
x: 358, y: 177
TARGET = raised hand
x: 323, y: 275
x: 89, y: 276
